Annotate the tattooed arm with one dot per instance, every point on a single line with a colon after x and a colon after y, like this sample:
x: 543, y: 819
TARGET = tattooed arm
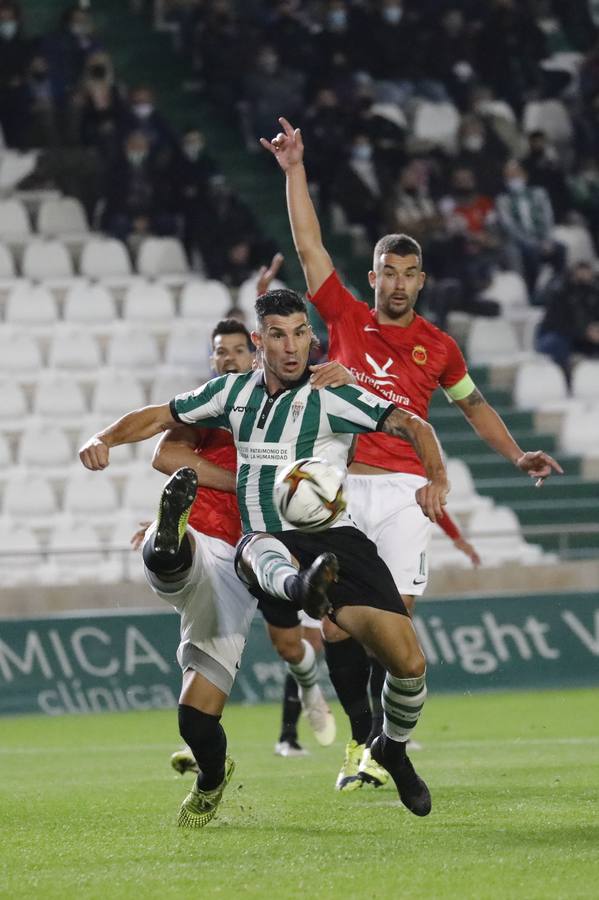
x: 433, y: 495
x: 492, y: 429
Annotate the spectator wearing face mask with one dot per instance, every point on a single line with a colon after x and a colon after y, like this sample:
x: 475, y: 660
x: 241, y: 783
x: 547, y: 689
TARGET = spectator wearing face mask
x: 545, y: 170
x: 571, y: 321
x: 481, y: 151
x: 140, y: 115
x: 526, y: 218
x: 583, y: 187
x: 191, y: 171
x: 361, y: 186
x: 269, y: 88
x: 397, y: 52
x: 99, y: 106
x: 138, y: 198
x: 66, y: 51
x: 15, y: 57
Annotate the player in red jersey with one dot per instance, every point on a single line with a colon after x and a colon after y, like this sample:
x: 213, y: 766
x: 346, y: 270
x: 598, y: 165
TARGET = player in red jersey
x: 398, y: 354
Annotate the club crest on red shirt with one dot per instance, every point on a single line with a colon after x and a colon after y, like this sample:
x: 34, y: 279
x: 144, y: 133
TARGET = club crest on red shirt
x: 419, y: 354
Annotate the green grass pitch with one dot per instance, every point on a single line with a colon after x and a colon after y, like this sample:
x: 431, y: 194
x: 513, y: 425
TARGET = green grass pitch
x: 88, y: 808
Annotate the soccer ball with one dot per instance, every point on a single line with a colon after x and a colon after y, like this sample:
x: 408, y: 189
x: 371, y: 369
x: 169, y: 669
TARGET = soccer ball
x: 309, y: 494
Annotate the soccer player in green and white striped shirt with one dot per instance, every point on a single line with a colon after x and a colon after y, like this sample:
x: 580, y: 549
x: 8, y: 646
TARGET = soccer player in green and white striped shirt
x: 276, y: 418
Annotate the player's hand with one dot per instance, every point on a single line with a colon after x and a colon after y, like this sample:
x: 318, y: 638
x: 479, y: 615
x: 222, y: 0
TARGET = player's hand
x: 466, y: 547
x: 137, y: 538
x: 266, y: 275
x: 432, y: 497
x: 94, y: 454
x: 538, y: 465
x: 330, y: 374
x: 287, y: 146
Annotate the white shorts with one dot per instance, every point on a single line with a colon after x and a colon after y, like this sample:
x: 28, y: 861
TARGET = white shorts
x: 216, y: 610
x: 385, y: 508
x: 307, y: 621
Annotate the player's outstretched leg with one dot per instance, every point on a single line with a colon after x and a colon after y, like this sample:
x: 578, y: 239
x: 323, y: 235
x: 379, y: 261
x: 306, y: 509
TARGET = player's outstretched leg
x: 267, y: 560
x: 168, y: 551
x: 403, y: 699
x: 206, y: 738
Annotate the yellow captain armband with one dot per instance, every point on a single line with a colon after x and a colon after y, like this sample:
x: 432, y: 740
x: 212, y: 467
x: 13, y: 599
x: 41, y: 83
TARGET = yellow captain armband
x: 462, y: 389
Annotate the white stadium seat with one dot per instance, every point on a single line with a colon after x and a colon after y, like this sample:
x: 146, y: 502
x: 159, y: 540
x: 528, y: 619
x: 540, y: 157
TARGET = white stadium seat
x: 73, y: 348
x: 90, y: 304
x: 578, y: 243
x: 75, y: 555
x: 463, y: 496
x: 142, y: 492
x: 116, y: 393
x: 496, y: 535
x: 13, y: 404
x: 61, y: 215
x: 20, y: 352
x: 7, y: 263
x: 90, y: 494
x: 163, y: 258
x: 580, y: 431
x: 540, y: 384
x: 15, y: 166
x: 491, y: 341
x: 19, y: 553
x: 189, y: 348
x: 43, y: 260
x: 585, y: 381
x: 59, y: 398
x: 436, y: 124
x: 149, y: 304
x: 246, y: 296
x: 105, y: 258
x: 29, y: 498
x: 5, y: 454
x: 44, y: 446
x: 132, y: 348
x: 508, y: 289
x: 170, y: 382
x: 552, y: 117
x: 30, y: 305
x: 14, y: 221
x: 208, y: 301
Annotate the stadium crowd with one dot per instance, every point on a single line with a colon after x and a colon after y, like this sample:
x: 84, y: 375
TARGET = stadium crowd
x: 134, y: 174
x: 471, y: 126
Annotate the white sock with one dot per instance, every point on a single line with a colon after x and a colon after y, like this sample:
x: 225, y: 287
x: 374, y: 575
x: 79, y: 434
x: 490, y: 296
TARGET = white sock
x: 271, y: 564
x: 305, y: 671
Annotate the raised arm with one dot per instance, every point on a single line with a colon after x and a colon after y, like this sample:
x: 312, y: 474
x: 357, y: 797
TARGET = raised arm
x: 432, y: 497
x: 138, y: 425
x: 176, y: 448
x: 288, y: 149
x: 489, y: 426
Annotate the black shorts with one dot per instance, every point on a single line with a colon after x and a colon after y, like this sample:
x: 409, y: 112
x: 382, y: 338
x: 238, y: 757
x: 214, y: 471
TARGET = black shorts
x: 364, y: 579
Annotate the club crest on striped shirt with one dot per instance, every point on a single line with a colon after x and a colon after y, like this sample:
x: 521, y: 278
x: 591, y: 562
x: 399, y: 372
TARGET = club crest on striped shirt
x: 297, y: 409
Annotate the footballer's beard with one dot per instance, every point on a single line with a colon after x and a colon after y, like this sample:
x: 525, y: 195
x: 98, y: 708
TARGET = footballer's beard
x: 286, y: 380
x: 396, y: 306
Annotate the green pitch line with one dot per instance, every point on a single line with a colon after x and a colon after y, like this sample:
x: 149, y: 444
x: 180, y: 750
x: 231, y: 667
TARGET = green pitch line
x: 89, y: 808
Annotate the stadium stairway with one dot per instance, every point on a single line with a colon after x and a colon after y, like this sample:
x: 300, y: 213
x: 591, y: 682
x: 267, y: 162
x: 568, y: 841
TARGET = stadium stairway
x: 560, y: 516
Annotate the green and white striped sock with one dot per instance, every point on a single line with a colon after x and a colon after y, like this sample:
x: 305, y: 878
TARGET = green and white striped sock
x: 403, y: 699
x: 305, y: 672
x: 272, y: 566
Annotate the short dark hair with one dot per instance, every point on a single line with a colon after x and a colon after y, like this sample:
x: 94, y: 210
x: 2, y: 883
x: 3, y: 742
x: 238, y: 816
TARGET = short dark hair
x: 231, y: 326
x: 400, y: 244
x: 282, y: 302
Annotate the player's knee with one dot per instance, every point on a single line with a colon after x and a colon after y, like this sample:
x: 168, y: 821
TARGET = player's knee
x: 199, y: 729
x: 413, y: 665
x: 331, y: 632
x: 288, y: 644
